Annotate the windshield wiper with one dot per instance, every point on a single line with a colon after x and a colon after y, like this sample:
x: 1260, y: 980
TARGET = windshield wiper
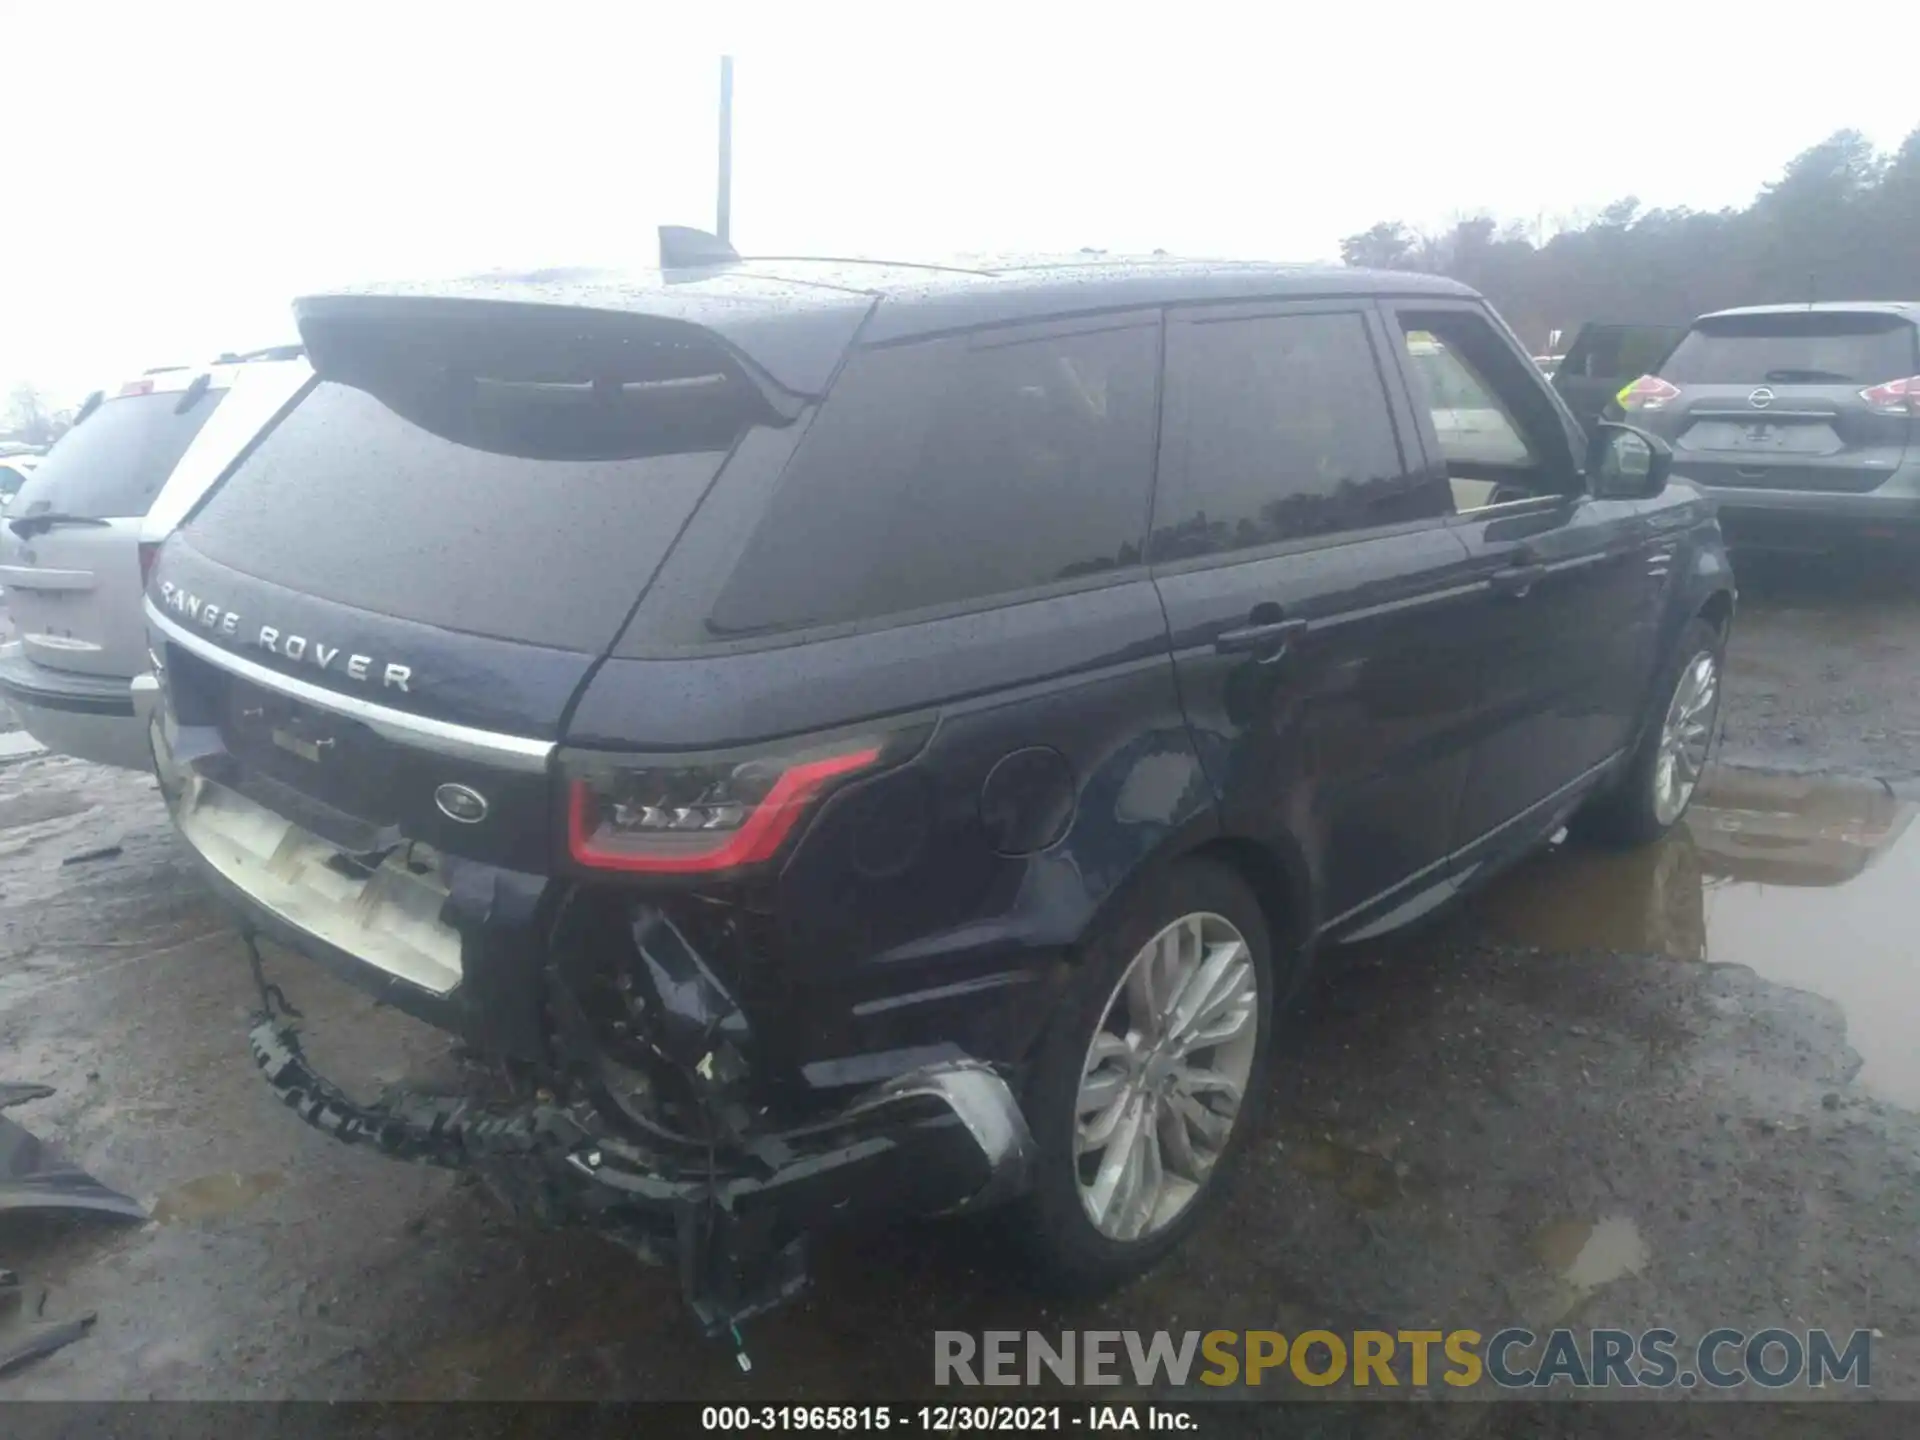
x: 1807, y: 377
x: 27, y: 526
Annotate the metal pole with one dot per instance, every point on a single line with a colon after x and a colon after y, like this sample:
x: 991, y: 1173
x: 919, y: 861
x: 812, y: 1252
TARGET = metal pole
x: 725, y: 219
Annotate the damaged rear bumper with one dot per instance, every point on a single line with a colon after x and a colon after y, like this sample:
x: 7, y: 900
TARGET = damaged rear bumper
x: 736, y: 1219
x: 732, y: 1206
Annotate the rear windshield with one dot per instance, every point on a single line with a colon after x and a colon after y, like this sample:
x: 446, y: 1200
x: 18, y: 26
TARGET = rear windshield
x: 348, y: 501
x: 1808, y: 348
x: 112, y: 464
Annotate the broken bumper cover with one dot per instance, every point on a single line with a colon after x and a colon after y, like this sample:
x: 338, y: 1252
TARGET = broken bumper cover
x: 733, y: 1210
x: 734, y: 1218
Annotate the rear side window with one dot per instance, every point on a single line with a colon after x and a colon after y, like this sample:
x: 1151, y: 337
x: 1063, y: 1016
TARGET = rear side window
x: 541, y: 522
x: 1795, y: 348
x: 112, y: 464
x: 1281, y: 430
x: 955, y: 471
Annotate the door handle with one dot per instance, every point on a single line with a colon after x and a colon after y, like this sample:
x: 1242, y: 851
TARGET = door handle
x: 1516, y: 582
x: 1268, y: 641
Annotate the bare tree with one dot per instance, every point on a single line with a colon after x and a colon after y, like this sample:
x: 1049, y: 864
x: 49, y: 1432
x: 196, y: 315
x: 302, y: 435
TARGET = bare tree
x: 30, y: 418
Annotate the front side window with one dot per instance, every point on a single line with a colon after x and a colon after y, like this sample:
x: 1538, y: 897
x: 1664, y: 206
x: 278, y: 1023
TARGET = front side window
x: 1473, y: 424
x: 953, y: 471
x: 1499, y: 433
x: 1281, y: 431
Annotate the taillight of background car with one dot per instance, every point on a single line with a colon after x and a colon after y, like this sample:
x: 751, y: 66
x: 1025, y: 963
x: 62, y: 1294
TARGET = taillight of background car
x: 1649, y: 392
x: 662, y: 817
x: 1896, y: 397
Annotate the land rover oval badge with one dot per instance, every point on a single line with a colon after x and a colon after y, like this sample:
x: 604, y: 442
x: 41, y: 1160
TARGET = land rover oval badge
x: 457, y: 802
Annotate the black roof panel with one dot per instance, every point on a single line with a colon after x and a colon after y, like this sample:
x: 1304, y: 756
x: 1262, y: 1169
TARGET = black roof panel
x: 795, y: 316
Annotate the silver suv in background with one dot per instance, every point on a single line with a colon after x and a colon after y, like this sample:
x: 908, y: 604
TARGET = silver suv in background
x: 77, y: 539
x: 1802, y: 421
x: 14, y: 469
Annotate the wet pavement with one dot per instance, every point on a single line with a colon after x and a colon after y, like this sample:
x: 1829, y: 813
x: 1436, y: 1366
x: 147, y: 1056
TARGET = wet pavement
x: 1673, y: 1087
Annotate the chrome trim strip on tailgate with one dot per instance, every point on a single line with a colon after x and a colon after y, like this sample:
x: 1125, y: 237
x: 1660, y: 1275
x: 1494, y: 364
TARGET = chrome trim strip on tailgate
x: 513, y: 752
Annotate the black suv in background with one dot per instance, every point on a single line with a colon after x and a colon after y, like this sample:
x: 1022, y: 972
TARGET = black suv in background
x: 1801, y: 421
x: 1603, y: 359
x: 861, y: 739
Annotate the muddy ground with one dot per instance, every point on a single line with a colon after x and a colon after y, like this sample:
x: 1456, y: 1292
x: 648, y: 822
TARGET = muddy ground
x: 1671, y: 1088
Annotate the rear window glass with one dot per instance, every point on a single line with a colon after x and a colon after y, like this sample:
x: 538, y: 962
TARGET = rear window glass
x: 1284, y: 433
x: 112, y: 464
x: 953, y: 471
x: 348, y: 501
x: 1810, y: 348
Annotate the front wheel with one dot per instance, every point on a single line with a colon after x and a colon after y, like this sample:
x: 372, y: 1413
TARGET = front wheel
x: 1665, y: 769
x: 1150, y: 1078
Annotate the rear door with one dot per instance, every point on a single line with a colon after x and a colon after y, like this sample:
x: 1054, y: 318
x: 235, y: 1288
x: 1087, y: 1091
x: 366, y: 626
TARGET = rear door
x: 1318, y: 598
x: 1603, y: 358
x: 69, y: 548
x: 1773, y: 401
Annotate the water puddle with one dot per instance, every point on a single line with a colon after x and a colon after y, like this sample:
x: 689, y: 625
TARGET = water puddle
x: 212, y: 1196
x: 1589, y: 1254
x: 1367, y: 1176
x: 1810, y: 882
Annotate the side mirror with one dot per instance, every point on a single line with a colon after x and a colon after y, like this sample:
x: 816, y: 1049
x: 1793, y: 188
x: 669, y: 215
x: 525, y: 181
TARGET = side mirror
x: 1626, y: 464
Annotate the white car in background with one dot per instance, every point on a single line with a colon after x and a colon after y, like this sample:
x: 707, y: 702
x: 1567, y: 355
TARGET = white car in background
x: 76, y: 542
x: 14, y: 470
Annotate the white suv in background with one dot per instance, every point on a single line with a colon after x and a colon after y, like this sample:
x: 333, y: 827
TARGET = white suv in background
x: 77, y: 539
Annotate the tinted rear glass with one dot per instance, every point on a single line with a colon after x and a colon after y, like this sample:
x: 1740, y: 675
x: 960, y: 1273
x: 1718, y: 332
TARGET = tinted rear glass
x: 1809, y: 348
x: 1285, y: 432
x: 112, y: 464
x: 954, y: 471
x: 348, y: 501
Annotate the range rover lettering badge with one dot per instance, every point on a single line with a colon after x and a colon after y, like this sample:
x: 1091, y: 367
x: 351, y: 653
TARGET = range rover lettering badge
x: 457, y: 802
x: 301, y: 649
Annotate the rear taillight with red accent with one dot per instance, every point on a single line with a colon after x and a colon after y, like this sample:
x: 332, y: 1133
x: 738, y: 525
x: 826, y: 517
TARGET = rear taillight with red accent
x: 1649, y: 392
x: 149, y: 552
x: 663, y: 817
x: 1896, y: 397
x: 136, y: 387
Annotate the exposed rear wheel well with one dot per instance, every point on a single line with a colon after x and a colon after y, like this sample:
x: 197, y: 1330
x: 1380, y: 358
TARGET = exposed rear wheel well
x: 1275, y: 889
x: 1718, y: 611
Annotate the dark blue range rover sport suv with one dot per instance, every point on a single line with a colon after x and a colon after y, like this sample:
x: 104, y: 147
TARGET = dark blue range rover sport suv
x: 856, y: 739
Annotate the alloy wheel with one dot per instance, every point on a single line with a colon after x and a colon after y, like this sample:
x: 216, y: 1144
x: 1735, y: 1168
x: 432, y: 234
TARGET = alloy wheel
x: 1685, y: 735
x: 1165, y: 1076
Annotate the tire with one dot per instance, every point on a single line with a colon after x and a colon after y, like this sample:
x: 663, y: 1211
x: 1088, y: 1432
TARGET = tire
x: 1634, y: 811
x: 1053, y: 1224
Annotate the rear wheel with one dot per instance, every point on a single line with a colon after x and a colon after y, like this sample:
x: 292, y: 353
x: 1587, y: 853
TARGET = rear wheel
x: 1151, y: 1078
x: 1665, y: 769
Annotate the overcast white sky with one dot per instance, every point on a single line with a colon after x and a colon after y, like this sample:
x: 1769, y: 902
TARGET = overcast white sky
x: 177, y: 172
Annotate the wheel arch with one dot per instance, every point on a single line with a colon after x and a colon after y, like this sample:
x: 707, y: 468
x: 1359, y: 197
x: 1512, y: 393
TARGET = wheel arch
x: 1717, y: 611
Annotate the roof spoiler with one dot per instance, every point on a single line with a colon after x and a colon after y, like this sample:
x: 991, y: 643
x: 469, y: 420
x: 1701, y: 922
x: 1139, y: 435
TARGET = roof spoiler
x: 684, y: 248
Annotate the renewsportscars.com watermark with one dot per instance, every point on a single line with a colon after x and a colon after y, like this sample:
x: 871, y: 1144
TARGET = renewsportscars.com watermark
x: 1510, y: 1359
